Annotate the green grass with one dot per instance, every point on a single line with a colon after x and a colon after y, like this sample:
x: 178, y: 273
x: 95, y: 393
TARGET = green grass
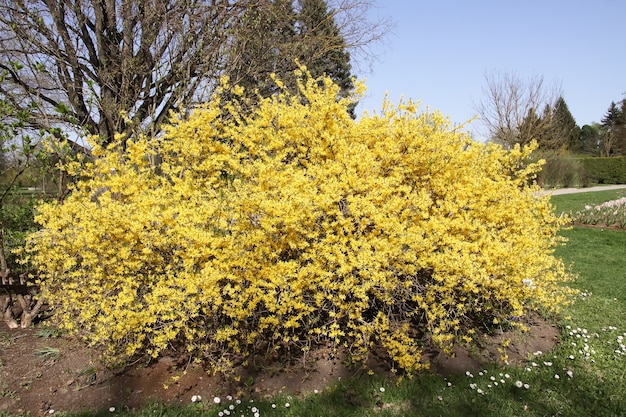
x: 591, y: 328
x: 571, y: 203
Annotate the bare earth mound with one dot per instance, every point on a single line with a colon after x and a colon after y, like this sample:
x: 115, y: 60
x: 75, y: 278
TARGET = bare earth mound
x: 38, y: 374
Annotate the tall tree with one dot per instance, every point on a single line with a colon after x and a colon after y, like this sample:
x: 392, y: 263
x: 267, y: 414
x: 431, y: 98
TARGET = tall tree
x: 107, y: 66
x: 276, y: 35
x: 590, y: 139
x: 322, y: 46
x: 263, y: 44
x: 613, y: 133
x: 564, y: 127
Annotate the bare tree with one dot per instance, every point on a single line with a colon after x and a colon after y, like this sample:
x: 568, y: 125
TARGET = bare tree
x: 115, y: 66
x: 101, y: 64
x: 512, y: 107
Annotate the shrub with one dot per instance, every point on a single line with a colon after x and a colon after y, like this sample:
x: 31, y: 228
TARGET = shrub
x: 297, y: 225
x: 561, y: 170
x: 601, y: 170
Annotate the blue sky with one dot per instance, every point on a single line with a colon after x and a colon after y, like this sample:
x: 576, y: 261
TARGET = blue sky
x: 440, y: 50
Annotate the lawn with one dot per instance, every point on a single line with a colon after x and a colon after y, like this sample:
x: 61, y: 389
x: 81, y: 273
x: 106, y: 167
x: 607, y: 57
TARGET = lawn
x: 571, y: 203
x: 583, y: 376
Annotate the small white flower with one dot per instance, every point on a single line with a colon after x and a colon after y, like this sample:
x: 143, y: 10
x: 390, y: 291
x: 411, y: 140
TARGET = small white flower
x: 547, y: 363
x: 519, y: 384
x: 111, y: 409
x: 232, y: 407
x: 226, y: 412
x: 273, y: 405
x: 257, y: 414
x: 51, y: 411
x: 217, y: 400
x: 556, y: 376
x: 254, y: 409
x: 526, y: 386
x: 382, y: 389
x: 481, y: 392
x: 195, y: 398
x: 287, y: 405
x: 220, y: 414
x: 229, y: 397
x: 449, y: 384
x: 237, y: 402
x: 570, y: 374
x: 440, y: 398
x: 473, y: 386
x: 507, y: 376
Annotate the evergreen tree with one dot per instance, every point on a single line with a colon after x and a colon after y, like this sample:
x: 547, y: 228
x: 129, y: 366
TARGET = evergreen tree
x: 564, y: 126
x: 613, y: 130
x: 263, y: 45
x: 272, y: 37
x: 323, y: 47
x: 622, y: 127
x: 529, y: 129
x: 589, y: 139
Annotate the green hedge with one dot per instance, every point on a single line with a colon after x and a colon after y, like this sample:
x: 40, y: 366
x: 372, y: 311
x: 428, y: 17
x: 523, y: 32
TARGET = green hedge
x: 602, y: 170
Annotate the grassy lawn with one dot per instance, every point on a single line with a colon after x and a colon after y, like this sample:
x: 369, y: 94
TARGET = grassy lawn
x: 571, y: 203
x: 583, y: 376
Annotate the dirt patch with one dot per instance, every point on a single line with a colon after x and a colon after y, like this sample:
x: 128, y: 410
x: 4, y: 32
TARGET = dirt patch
x: 40, y: 372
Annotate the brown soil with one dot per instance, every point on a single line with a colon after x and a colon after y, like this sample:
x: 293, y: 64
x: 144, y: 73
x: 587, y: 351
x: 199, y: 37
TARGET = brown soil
x: 39, y: 374
x: 600, y: 226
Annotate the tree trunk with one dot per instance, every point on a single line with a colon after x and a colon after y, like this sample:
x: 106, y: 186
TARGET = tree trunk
x: 7, y: 313
x: 6, y: 300
x: 28, y: 314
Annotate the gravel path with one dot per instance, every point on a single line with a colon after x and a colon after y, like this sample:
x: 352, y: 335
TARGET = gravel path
x: 584, y: 190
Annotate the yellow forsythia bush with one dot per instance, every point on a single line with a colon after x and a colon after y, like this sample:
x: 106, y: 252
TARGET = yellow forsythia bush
x: 296, y: 225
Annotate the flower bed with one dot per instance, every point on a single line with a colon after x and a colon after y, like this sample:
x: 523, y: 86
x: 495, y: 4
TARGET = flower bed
x: 609, y: 214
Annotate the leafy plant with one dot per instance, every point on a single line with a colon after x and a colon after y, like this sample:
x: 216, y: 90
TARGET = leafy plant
x: 48, y: 353
x: 48, y: 333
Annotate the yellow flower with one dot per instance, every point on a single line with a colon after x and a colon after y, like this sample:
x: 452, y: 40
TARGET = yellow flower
x: 295, y: 224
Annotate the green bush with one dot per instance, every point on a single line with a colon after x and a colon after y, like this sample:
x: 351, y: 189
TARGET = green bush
x: 605, y: 170
x: 561, y: 170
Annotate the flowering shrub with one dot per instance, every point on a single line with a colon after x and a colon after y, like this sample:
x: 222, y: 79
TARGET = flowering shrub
x: 609, y: 214
x: 297, y: 225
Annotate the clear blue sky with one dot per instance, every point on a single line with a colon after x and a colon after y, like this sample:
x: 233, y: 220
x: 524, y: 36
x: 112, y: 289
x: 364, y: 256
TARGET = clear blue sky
x: 440, y: 50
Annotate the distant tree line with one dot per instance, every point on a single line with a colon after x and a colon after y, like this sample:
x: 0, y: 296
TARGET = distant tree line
x: 518, y: 111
